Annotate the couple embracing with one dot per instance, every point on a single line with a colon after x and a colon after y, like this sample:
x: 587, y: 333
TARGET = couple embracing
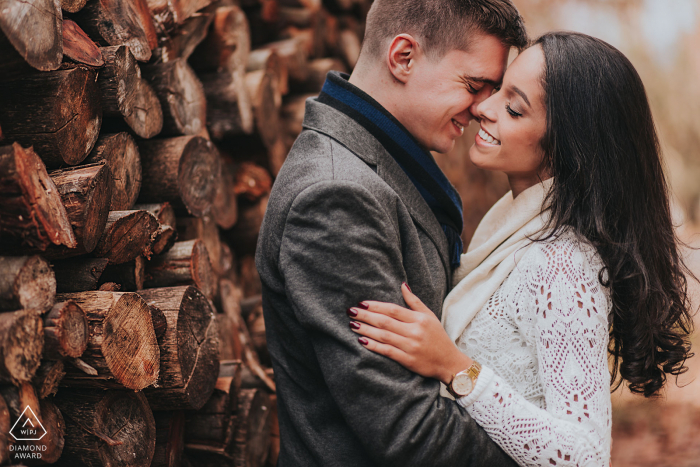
x: 392, y: 348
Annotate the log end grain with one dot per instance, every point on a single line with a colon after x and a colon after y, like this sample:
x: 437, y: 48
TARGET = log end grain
x: 26, y: 282
x: 22, y: 345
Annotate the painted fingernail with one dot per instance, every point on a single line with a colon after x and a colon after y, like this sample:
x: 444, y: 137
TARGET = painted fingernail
x: 363, y: 341
x: 363, y: 305
x: 409, y: 289
x: 352, y: 312
x: 354, y: 325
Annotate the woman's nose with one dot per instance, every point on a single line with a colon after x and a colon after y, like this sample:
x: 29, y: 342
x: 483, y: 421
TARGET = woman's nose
x: 485, y: 109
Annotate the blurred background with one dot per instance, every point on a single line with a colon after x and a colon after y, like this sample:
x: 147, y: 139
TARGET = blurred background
x: 662, y: 39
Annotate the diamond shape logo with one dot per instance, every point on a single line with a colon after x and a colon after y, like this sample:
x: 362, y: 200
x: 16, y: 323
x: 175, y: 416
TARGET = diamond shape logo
x: 28, y: 427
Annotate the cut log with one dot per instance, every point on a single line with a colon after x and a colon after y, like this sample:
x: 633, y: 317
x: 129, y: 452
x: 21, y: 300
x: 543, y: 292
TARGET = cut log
x: 130, y: 275
x: 243, y: 237
x: 294, y: 57
x: 230, y: 346
x: 31, y: 209
x: 21, y: 343
x: 78, y: 47
x: 252, y: 182
x: 263, y: 92
x: 34, y: 29
x: 227, y: 45
x: 170, y: 430
x: 126, y: 95
x: 73, y: 6
x: 189, y: 352
x: 185, y: 263
x: 122, y: 345
x: 181, y: 97
x: 224, y: 209
x: 57, y: 112
x: 110, y: 287
x: 318, y: 69
x: 181, y: 42
x: 52, y: 444
x: 253, y: 426
x: 85, y: 192
x: 213, y: 424
x: 205, y: 229
x: 113, y: 428
x: 349, y: 46
x: 65, y: 331
x: 182, y: 171
x: 121, y: 154
x: 166, y: 235
x: 6, y: 440
x: 78, y: 274
x: 229, y: 107
x: 249, y: 277
x: 127, y: 235
x: 268, y: 60
x: 230, y: 303
x: 121, y: 22
x: 26, y: 282
x: 160, y: 322
x: 292, y: 113
x: 255, y: 322
x: 167, y: 14
x: 48, y: 377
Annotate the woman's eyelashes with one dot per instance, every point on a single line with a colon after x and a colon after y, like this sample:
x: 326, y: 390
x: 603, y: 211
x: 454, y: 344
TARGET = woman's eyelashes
x: 512, y: 112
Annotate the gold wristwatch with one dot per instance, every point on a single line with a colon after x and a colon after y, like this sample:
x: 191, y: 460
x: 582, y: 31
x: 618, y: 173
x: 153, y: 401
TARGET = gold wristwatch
x: 464, y: 382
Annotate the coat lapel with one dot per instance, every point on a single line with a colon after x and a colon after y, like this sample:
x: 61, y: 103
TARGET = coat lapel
x: 352, y: 135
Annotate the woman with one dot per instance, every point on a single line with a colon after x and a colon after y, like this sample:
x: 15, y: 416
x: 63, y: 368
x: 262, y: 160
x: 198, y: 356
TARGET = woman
x: 579, y: 260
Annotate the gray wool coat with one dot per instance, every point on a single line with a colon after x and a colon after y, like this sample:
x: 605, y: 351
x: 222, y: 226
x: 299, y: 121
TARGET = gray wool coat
x: 344, y: 224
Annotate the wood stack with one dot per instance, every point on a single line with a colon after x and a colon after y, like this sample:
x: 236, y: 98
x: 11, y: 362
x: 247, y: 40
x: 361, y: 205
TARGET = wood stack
x: 139, y: 141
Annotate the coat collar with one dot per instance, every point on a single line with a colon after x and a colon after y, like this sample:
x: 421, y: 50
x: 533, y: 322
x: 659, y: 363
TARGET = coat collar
x: 325, y: 119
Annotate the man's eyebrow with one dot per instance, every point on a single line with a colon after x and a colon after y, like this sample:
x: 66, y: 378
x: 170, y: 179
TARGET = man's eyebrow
x: 521, y: 94
x: 480, y: 79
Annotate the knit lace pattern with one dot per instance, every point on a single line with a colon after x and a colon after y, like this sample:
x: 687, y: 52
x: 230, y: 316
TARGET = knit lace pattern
x: 544, y: 391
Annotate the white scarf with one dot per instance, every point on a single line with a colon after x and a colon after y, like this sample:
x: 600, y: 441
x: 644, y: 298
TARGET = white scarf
x: 501, y: 239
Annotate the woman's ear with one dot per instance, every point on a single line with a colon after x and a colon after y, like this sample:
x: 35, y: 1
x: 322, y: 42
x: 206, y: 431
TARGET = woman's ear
x: 403, y: 51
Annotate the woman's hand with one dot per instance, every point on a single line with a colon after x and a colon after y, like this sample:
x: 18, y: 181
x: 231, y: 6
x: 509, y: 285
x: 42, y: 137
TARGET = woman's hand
x: 414, y: 338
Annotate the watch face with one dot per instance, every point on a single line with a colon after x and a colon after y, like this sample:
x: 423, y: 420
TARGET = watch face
x: 462, y: 384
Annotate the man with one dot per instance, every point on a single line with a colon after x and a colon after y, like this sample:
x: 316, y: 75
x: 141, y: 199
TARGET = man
x: 360, y: 207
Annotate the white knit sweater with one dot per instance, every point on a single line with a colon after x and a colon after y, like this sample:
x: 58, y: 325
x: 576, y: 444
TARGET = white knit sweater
x: 544, y: 390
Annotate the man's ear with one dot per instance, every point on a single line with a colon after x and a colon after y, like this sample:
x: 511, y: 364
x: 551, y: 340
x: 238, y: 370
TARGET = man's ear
x: 403, y: 51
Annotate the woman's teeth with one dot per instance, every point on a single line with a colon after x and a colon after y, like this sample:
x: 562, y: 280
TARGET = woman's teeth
x: 488, y: 138
x: 458, y: 125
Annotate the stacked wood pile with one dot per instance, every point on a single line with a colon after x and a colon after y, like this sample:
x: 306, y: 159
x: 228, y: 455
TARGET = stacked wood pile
x: 139, y: 140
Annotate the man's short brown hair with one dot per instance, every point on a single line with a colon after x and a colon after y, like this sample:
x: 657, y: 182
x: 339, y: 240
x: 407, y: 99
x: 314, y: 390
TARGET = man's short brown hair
x: 442, y: 25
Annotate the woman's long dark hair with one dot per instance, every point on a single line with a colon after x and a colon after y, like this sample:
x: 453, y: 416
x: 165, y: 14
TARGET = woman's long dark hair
x: 602, y: 149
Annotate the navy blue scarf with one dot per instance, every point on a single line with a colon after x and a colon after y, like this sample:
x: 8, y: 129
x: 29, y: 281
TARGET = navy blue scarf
x: 418, y: 163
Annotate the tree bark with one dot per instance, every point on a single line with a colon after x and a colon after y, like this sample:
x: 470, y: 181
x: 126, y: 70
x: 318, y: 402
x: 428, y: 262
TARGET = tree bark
x: 26, y: 282
x: 122, y: 344
x: 78, y: 47
x: 268, y: 60
x: 57, y: 112
x: 126, y: 95
x: 205, y: 229
x: 166, y: 235
x: 121, y: 22
x: 252, y: 182
x: 294, y: 57
x: 85, y: 192
x: 186, y: 37
x: 189, y: 352
x: 130, y: 275
x: 33, y: 27
x: 78, y: 274
x: 21, y: 342
x: 127, y: 235
x: 318, y: 69
x: 185, y: 263
x: 253, y: 425
x: 47, y: 377
x: 264, y: 96
x: 249, y: 277
x: 170, y: 430
x: 183, y: 171
x: 113, y: 428
x: 224, y: 209
x: 181, y: 97
x: 229, y: 107
x: 65, y: 331
x: 31, y: 208
x: 73, y: 6
x: 121, y: 154
x: 227, y: 45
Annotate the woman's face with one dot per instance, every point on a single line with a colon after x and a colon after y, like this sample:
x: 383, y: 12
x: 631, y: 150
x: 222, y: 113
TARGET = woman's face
x: 513, y: 122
